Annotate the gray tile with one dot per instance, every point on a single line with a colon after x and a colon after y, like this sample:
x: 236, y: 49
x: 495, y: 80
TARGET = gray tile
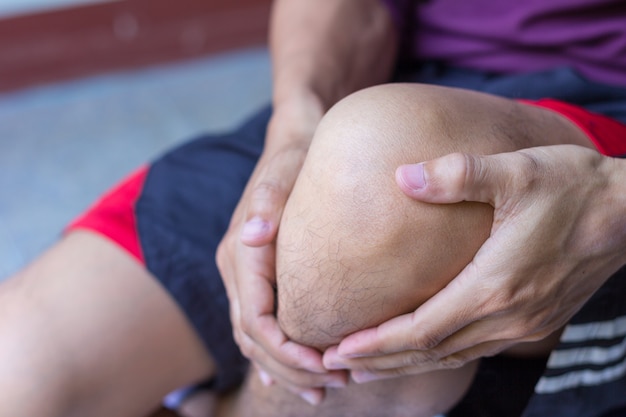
x: 62, y: 145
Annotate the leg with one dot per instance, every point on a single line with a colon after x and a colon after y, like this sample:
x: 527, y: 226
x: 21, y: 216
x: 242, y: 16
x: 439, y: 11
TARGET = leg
x: 348, y: 227
x: 87, y: 331
x: 354, y: 252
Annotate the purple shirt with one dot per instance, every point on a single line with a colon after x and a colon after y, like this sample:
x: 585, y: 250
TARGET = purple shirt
x: 519, y: 35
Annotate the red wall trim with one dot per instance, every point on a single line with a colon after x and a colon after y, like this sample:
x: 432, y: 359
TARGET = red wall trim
x: 91, y: 39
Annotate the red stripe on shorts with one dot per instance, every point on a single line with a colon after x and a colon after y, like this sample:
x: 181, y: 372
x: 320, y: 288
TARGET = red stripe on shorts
x: 113, y: 215
x: 608, y: 135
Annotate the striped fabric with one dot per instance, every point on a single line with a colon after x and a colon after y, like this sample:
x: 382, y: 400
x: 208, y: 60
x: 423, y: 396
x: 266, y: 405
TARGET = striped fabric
x: 586, y: 374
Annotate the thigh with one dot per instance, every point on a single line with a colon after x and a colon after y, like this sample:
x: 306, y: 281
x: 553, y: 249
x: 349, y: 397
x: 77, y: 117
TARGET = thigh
x: 86, y: 330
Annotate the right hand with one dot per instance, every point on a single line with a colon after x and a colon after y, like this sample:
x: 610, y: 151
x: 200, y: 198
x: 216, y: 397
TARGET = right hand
x: 246, y: 259
x: 558, y: 234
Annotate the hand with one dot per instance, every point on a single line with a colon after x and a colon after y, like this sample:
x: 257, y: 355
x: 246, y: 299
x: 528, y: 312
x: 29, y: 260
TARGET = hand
x: 558, y: 234
x: 246, y: 259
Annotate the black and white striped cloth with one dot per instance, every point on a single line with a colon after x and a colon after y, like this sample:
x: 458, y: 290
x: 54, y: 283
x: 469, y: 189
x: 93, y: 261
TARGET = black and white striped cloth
x: 586, y: 374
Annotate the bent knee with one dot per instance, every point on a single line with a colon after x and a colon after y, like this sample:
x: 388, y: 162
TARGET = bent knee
x: 353, y: 251
x: 421, y: 121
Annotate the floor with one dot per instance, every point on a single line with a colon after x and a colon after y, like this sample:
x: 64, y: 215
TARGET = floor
x: 62, y: 145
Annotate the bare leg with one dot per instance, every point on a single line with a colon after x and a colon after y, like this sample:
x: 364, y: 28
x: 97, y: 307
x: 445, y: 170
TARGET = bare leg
x: 86, y: 331
x: 404, y: 397
x: 353, y: 251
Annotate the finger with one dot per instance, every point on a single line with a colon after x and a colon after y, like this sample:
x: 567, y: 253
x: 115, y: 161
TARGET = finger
x: 451, y: 309
x: 480, y: 338
x: 259, y: 336
x: 268, y: 197
x: 292, y: 354
x: 313, y: 396
x: 457, y: 360
x: 257, y: 317
x: 265, y: 378
x: 299, y: 364
x: 268, y: 343
x: 462, y: 177
x: 296, y: 378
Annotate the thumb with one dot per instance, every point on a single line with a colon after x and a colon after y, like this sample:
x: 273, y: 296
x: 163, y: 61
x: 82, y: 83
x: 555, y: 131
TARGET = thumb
x: 456, y: 177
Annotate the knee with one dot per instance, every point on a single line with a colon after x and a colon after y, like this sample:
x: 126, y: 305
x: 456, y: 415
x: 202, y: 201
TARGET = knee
x: 353, y: 251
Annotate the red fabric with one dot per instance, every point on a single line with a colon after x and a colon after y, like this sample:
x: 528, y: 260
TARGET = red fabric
x: 114, y: 214
x: 608, y: 135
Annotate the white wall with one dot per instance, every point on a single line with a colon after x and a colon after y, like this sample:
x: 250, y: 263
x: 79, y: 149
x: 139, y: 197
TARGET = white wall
x: 17, y: 7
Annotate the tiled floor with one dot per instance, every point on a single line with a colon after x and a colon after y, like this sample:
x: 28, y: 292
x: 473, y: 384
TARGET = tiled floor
x: 62, y: 145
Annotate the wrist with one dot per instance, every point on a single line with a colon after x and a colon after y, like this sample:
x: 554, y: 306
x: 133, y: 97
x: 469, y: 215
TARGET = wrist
x: 616, y: 168
x: 309, y: 77
x: 294, y: 119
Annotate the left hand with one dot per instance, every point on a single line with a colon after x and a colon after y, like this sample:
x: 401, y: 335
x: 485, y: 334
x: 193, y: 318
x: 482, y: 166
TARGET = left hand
x: 246, y: 258
x: 559, y: 232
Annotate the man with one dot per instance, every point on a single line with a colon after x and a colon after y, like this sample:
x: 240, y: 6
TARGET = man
x: 350, y: 256
x: 99, y: 324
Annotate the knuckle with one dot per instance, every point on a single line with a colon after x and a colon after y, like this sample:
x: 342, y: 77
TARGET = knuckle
x: 454, y: 361
x: 247, y: 325
x: 220, y: 256
x: 457, y: 167
x: 527, y: 168
x: 247, y: 349
x: 424, y: 342
x: 238, y: 339
x: 499, y: 303
x: 417, y: 358
x: 224, y: 252
x: 267, y: 192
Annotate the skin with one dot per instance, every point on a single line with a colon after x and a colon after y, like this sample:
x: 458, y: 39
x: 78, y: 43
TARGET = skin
x: 312, y: 72
x: 75, y: 289
x: 69, y: 325
x: 344, y: 201
x: 353, y: 251
x: 321, y: 51
x: 557, y: 236
x: 558, y: 220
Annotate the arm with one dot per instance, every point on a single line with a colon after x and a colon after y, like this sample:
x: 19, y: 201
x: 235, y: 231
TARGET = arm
x: 321, y: 51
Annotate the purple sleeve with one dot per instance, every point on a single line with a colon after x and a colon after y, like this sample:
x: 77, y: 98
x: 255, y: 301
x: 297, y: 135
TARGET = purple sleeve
x: 401, y: 12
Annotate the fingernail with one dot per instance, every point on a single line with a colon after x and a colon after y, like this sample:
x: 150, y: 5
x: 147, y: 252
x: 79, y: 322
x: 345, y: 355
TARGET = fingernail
x: 255, y: 227
x: 310, y: 397
x: 266, y: 380
x: 361, y: 377
x: 413, y: 176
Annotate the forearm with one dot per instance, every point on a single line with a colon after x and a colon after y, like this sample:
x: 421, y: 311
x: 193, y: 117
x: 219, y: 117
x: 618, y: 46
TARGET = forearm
x: 324, y: 50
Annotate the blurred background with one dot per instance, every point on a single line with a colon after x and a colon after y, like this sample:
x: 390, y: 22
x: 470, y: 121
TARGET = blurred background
x: 90, y: 89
